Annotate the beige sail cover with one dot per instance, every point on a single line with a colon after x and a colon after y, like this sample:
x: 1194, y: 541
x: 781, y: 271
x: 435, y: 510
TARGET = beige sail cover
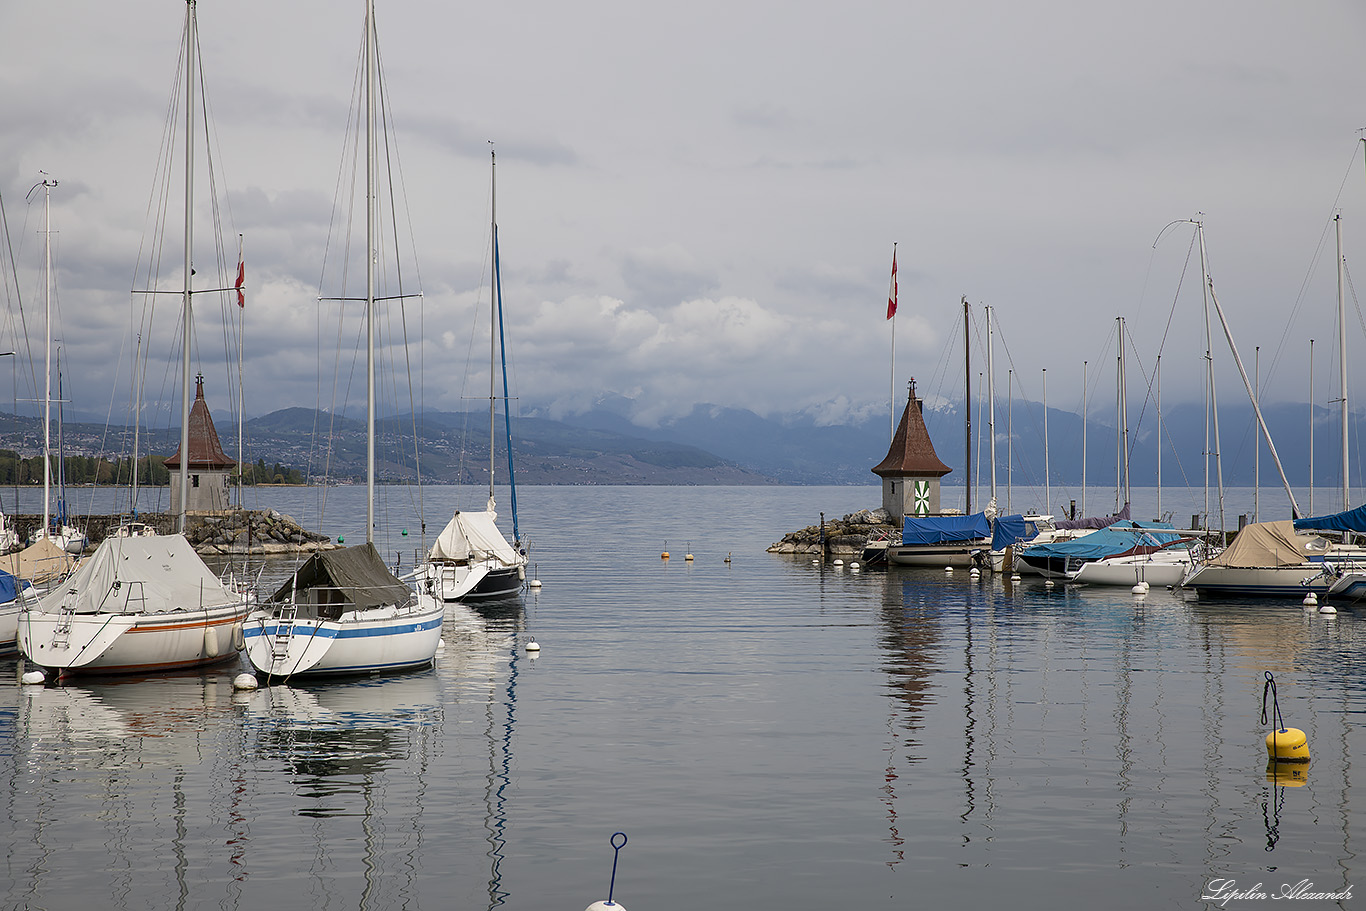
x: 1263, y: 544
x: 473, y: 536
x: 38, y: 563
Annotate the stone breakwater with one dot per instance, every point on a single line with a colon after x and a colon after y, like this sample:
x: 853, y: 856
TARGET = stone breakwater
x: 251, y: 531
x: 844, y: 537
x: 240, y: 531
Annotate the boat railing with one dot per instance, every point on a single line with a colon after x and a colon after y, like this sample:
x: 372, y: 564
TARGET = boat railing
x: 130, y: 596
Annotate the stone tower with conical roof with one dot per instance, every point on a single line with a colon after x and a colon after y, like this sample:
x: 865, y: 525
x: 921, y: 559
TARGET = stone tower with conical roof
x: 911, y: 472
x: 210, y: 469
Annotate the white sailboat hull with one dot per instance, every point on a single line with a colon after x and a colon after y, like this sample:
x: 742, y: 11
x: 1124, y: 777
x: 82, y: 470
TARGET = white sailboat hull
x: 1155, y: 569
x: 105, y: 643
x: 376, y: 640
x: 1293, y: 581
x: 479, y: 580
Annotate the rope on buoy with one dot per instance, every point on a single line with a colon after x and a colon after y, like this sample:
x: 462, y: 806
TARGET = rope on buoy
x: 611, y: 888
x: 1283, y: 744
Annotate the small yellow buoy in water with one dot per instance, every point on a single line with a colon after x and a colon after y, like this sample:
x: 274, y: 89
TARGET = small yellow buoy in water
x: 1283, y: 744
x: 1287, y: 745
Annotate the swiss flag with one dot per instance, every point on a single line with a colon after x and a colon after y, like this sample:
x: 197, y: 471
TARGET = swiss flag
x: 891, y: 294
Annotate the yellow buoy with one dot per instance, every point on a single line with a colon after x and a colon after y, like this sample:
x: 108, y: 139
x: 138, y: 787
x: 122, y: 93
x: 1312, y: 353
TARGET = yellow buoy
x: 1287, y: 745
x: 664, y: 556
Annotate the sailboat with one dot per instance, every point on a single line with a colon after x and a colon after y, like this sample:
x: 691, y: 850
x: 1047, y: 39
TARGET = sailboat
x: 143, y: 604
x: 471, y: 560
x: 1295, y: 556
x: 343, y: 612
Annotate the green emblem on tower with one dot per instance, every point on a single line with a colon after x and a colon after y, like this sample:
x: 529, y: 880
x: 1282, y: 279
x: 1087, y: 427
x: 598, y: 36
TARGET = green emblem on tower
x: 922, y: 498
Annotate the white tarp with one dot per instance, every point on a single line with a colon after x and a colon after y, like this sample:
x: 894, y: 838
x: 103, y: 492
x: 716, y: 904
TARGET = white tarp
x: 139, y: 575
x: 473, y: 536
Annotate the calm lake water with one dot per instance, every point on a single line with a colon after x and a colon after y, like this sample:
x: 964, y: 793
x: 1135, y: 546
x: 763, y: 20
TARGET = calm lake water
x: 767, y: 732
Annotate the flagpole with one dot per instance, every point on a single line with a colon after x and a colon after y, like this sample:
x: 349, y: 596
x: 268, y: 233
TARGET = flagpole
x: 891, y: 315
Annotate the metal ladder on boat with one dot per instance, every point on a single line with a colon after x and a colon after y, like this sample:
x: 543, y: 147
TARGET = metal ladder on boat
x: 61, y: 633
x: 284, y: 632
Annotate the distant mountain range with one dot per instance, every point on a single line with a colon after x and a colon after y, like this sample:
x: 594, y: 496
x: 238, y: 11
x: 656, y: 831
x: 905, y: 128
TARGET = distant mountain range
x: 716, y: 445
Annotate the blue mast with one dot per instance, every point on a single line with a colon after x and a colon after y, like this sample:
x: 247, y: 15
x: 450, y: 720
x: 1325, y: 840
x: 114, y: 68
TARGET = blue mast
x: 502, y: 357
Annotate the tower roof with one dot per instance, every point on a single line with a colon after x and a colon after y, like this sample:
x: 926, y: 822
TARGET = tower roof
x: 206, y: 453
x: 911, y: 454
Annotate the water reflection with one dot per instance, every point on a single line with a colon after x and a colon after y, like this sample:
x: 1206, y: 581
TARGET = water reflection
x: 1122, y: 727
x: 133, y: 791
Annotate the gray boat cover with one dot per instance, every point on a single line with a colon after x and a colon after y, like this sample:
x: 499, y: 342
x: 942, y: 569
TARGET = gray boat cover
x: 473, y: 536
x: 140, y: 575
x: 359, y: 572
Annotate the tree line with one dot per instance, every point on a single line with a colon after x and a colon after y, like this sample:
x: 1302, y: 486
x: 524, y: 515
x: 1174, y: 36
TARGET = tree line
x: 152, y: 471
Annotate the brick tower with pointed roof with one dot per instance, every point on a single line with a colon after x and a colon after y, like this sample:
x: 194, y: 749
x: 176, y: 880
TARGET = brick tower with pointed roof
x: 209, y: 467
x: 911, y: 472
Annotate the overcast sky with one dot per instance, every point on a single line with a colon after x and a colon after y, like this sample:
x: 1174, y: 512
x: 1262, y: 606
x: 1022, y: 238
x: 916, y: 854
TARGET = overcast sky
x: 698, y: 202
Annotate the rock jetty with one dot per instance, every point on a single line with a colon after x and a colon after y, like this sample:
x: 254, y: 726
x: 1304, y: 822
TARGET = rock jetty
x: 252, y: 531
x: 843, y: 537
x: 238, y: 531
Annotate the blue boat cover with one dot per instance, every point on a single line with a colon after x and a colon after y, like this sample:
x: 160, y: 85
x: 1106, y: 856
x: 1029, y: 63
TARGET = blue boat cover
x: 8, y: 587
x: 1009, y: 530
x: 1117, y: 538
x: 943, y: 529
x: 1351, y: 520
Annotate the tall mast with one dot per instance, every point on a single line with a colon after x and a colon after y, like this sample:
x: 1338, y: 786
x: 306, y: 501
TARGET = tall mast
x: 186, y: 319
x: 1159, y: 437
x: 1209, y: 381
x: 1342, y: 367
x: 967, y: 404
x: 1257, y: 443
x: 1256, y: 408
x: 507, y: 399
x: 1311, y: 426
x: 47, y: 357
x: 991, y: 407
x: 493, y: 313
x: 241, y: 330
x: 1085, y: 407
x: 1010, y: 438
x: 1121, y: 391
x: 1047, y: 490
x: 370, y: 271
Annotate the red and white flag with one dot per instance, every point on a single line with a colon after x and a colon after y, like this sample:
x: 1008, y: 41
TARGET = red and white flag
x: 891, y: 293
x: 242, y: 279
